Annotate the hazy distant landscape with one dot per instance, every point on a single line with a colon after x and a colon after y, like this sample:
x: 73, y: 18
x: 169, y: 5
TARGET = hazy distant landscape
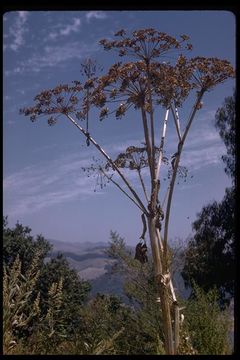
x: 89, y: 259
x: 92, y: 263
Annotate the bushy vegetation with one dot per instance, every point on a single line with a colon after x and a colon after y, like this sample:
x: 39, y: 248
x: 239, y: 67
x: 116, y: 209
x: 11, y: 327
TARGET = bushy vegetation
x: 42, y: 300
x: 207, y: 324
x: 47, y: 310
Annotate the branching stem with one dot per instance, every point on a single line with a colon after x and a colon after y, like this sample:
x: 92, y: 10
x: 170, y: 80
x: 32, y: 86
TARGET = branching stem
x: 162, y: 143
x: 138, y: 200
x: 177, y: 122
x: 148, y: 143
x: 176, y: 163
x: 143, y: 185
x: 119, y: 187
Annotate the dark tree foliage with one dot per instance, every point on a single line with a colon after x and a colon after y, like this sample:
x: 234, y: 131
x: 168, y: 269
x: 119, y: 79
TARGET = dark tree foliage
x: 19, y: 241
x: 225, y: 123
x: 210, y: 255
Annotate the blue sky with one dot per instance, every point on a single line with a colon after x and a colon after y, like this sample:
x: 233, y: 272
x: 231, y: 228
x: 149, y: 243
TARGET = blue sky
x: 44, y: 186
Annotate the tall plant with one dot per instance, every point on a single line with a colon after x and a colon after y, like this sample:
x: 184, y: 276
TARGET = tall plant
x: 146, y: 82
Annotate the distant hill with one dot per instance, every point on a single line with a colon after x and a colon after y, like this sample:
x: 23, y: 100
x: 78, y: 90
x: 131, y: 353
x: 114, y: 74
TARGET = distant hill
x: 92, y: 263
x: 89, y: 259
x: 76, y: 247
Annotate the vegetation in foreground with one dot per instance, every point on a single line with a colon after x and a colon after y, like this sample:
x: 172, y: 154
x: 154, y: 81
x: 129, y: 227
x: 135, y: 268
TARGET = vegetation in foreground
x: 47, y: 309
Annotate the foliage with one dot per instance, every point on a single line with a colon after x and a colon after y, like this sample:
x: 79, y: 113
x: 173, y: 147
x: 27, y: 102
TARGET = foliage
x: 209, y: 259
x: 22, y: 311
x: 17, y: 291
x: 18, y: 241
x: 207, y: 324
x: 74, y: 292
x: 205, y: 329
x: 52, y: 288
x: 102, y: 319
x: 210, y: 255
x: 49, y: 330
x: 145, y: 323
x: 42, y: 315
x: 225, y: 122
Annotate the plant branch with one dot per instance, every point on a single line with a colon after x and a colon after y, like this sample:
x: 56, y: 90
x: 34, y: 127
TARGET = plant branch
x: 152, y: 123
x: 148, y: 143
x: 177, y: 122
x: 162, y: 143
x: 119, y: 187
x: 111, y: 162
x: 175, y: 168
x: 168, y: 188
x: 143, y: 185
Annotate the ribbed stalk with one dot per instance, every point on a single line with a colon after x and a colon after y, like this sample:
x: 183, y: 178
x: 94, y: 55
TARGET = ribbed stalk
x: 162, y: 289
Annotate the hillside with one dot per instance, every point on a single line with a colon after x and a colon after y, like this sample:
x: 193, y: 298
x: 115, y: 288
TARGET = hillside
x: 89, y: 259
x: 92, y: 263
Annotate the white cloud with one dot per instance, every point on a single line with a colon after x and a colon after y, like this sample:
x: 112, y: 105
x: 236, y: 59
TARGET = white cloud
x: 64, y: 30
x: 52, y: 36
x: 99, y: 15
x: 198, y: 158
x: 18, y: 30
x: 204, y: 146
x: 23, y: 15
x: 50, y: 183
x: 16, y: 70
x: 52, y: 56
x: 117, y: 148
x: 71, y: 28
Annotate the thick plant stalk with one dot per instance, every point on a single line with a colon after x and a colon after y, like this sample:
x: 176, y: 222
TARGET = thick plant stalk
x: 162, y: 288
x: 154, y: 245
x: 170, y: 280
x: 175, y: 303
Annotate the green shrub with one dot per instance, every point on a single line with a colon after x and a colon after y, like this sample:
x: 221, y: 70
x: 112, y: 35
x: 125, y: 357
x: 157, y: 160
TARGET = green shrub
x: 207, y: 324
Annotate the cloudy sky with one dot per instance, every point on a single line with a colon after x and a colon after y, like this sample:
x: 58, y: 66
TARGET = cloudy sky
x: 44, y: 185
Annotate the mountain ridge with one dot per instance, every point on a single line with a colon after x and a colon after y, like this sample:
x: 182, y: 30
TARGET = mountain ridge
x: 92, y: 263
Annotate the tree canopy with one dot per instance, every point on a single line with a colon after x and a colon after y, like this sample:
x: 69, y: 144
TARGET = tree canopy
x: 19, y: 241
x: 225, y: 122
